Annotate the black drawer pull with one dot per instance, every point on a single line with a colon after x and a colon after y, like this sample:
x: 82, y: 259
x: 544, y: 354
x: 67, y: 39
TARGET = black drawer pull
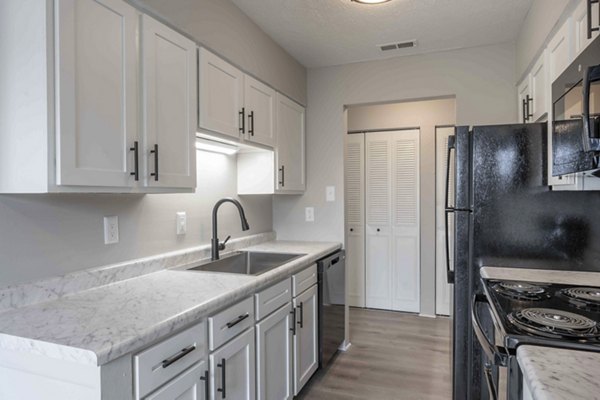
x: 237, y: 320
x: 155, y: 152
x: 136, y: 161
x: 223, y: 379
x: 178, y: 356
x: 301, y: 321
x: 293, y: 328
x: 242, y: 115
x: 251, y: 123
x: 206, y: 385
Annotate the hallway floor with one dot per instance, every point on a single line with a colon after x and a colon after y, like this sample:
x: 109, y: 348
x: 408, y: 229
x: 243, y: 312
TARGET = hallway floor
x: 393, y: 356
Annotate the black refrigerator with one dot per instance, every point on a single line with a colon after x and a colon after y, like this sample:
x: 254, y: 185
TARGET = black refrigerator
x: 503, y: 213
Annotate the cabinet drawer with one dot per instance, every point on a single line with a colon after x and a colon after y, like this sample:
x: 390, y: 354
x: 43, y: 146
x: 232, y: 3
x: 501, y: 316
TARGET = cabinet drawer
x: 167, y: 359
x: 230, y: 322
x: 304, y: 279
x: 272, y: 298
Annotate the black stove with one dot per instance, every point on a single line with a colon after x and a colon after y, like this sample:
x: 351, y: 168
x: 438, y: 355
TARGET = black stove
x: 545, y: 314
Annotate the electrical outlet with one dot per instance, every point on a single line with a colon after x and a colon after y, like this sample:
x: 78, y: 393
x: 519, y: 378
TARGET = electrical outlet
x: 181, y: 223
x: 309, y: 213
x: 111, y: 230
x: 330, y: 193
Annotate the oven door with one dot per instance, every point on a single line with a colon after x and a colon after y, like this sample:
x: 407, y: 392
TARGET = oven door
x: 501, y: 370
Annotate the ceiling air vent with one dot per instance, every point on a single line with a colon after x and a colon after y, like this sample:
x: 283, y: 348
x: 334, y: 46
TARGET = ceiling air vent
x: 398, y: 46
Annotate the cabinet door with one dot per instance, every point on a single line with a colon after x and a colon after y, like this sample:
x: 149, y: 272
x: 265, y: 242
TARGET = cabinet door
x: 290, y: 152
x: 274, y: 356
x: 355, y: 221
x: 169, y: 93
x: 539, y: 89
x: 560, y: 52
x: 524, y: 94
x: 232, y: 369
x: 190, y: 385
x: 580, y: 25
x: 221, y: 89
x: 96, y: 92
x: 306, y: 340
x: 259, y: 101
x: 378, y: 284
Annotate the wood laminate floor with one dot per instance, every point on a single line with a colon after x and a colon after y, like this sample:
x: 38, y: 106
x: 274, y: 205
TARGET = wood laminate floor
x: 393, y: 356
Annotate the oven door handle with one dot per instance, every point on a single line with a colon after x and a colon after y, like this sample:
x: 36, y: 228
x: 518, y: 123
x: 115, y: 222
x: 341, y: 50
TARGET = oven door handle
x: 493, y: 352
x: 590, y: 143
x: 490, y: 382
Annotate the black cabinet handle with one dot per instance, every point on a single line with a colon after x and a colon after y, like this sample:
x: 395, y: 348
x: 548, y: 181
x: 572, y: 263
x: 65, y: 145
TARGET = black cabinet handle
x: 589, y: 18
x: 251, y: 123
x: 378, y: 230
x: 351, y: 229
x: 524, y: 110
x: 301, y: 321
x: 529, y: 101
x: 136, y: 161
x: 237, y: 320
x: 223, y: 379
x: 243, y: 118
x: 206, y: 385
x: 155, y: 152
x: 282, y: 170
x: 178, y: 356
x: 293, y: 328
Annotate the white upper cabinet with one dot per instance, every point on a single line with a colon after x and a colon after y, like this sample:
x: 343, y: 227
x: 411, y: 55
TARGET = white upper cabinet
x: 524, y: 100
x: 117, y: 86
x: 560, y: 52
x: 169, y: 112
x: 290, y: 152
x: 581, y: 25
x: 221, y: 89
x: 538, y: 106
x: 259, y: 104
x: 96, y: 83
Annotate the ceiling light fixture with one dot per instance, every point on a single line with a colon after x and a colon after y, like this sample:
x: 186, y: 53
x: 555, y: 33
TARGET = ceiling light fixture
x: 370, y: 1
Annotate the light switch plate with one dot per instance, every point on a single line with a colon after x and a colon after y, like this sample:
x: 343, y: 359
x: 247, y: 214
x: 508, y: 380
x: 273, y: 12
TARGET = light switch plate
x: 330, y: 193
x: 309, y: 214
x: 111, y: 230
x: 181, y: 222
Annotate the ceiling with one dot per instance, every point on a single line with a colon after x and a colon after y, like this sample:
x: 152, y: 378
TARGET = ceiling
x: 321, y: 33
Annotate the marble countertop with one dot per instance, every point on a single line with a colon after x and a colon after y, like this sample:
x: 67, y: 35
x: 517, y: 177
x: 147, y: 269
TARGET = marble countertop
x: 98, y: 325
x: 558, y: 374
x: 542, y: 275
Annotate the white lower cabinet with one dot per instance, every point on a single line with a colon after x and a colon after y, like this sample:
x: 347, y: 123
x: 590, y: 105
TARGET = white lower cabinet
x: 306, y: 343
x: 274, y: 355
x: 190, y: 385
x: 232, y: 369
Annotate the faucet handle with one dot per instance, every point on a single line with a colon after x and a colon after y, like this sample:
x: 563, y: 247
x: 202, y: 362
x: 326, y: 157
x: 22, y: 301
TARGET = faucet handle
x: 222, y: 245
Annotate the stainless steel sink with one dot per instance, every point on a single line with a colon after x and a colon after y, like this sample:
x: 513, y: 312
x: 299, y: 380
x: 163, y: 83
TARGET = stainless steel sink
x: 246, y: 262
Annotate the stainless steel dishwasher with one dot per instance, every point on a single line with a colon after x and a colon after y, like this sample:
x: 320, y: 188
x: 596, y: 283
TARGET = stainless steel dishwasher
x: 332, y: 301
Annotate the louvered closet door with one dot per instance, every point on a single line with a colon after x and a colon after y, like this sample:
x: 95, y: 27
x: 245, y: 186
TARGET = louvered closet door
x: 392, y: 217
x: 378, y: 217
x: 442, y: 288
x: 405, y: 220
x: 355, y: 225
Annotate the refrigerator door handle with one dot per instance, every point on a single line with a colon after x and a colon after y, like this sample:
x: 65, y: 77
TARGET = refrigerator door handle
x: 448, y: 209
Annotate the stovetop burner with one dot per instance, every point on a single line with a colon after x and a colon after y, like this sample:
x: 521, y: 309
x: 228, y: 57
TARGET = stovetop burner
x: 555, y: 323
x: 582, y: 297
x: 520, y: 290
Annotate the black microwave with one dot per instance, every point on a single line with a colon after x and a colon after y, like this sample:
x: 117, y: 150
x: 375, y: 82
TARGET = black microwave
x: 576, y: 115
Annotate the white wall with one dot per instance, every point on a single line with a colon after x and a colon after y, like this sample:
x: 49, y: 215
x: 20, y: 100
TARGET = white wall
x: 48, y: 235
x: 224, y: 28
x: 543, y: 16
x: 482, y: 79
